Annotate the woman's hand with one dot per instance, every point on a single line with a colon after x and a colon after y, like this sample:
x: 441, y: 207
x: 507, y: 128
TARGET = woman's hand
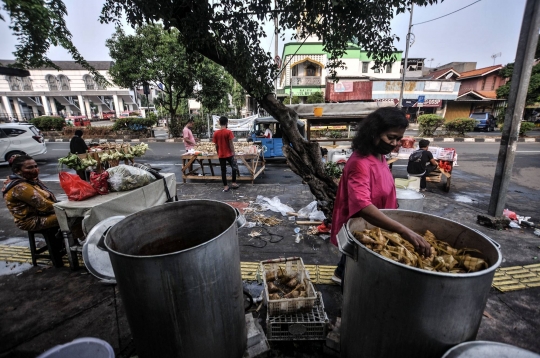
x: 420, y: 244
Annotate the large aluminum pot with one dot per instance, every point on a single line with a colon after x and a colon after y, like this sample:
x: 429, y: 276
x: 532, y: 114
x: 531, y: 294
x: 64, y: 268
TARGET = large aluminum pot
x: 410, y: 200
x: 393, y: 310
x: 178, y: 271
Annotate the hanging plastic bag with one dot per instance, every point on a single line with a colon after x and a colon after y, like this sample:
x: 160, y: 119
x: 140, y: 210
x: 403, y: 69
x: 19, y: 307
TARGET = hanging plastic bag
x: 99, y: 182
x: 76, y: 188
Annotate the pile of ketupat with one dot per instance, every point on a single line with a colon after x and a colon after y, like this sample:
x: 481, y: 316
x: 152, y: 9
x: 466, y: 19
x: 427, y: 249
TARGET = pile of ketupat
x: 444, y: 258
x: 210, y: 147
x: 284, y: 286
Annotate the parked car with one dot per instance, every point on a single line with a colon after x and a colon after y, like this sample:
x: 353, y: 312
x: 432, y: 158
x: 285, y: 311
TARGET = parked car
x: 484, y: 121
x: 20, y: 139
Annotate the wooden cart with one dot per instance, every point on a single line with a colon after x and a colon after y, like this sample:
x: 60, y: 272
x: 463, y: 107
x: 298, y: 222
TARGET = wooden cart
x: 253, y: 162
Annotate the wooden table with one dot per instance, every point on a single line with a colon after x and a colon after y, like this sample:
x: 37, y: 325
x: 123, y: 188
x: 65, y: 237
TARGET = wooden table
x: 253, y: 162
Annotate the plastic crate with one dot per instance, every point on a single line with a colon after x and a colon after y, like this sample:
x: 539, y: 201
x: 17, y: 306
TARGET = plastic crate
x: 291, y: 265
x: 310, y: 326
x: 405, y: 153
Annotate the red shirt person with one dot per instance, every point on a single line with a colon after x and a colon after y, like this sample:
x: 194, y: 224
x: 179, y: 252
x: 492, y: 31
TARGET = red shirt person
x: 223, y: 140
x: 367, y: 184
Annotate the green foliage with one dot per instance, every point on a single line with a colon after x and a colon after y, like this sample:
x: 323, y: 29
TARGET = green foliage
x: 533, y: 93
x: 295, y: 100
x: 315, y: 97
x: 333, y: 170
x: 429, y: 124
x: 133, y: 123
x: 460, y: 125
x: 49, y: 123
x: 525, y: 127
x: 334, y: 134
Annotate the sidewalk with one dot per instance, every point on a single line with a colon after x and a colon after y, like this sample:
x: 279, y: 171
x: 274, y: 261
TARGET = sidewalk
x: 43, y: 307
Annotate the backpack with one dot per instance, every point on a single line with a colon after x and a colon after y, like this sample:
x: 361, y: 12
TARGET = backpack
x: 416, y: 155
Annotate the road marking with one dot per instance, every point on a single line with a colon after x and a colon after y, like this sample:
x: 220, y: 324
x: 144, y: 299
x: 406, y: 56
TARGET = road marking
x: 527, y: 151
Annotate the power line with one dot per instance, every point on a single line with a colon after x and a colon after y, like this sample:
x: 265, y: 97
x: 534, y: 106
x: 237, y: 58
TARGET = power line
x: 453, y: 12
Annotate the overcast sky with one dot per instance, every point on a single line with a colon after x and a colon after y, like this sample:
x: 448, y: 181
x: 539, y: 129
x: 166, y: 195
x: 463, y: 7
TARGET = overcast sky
x: 470, y: 35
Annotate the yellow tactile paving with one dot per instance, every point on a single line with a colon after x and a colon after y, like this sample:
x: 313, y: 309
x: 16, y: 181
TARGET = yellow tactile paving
x: 506, y: 278
x: 517, y: 278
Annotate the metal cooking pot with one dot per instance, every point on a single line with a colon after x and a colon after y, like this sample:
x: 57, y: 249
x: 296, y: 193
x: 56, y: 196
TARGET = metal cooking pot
x: 393, y: 310
x: 178, y: 271
x: 485, y: 349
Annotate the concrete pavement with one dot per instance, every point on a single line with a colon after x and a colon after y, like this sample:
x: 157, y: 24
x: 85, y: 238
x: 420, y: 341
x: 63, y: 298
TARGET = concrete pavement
x: 44, y: 307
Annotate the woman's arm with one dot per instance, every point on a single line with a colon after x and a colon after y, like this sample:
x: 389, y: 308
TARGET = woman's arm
x: 377, y: 218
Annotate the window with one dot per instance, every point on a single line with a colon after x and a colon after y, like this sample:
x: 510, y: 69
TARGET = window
x: 365, y: 67
x: 11, y: 132
x: 51, y: 81
x: 294, y: 71
x: 310, y: 70
x: 64, y: 83
x: 493, y: 83
x: 389, y: 68
x: 89, y: 82
x: 2, y: 134
x: 483, y: 83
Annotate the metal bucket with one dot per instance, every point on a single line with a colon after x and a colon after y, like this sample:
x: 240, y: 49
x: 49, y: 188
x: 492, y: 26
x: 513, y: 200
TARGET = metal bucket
x: 178, y: 271
x: 410, y: 200
x: 393, y: 310
x: 485, y: 349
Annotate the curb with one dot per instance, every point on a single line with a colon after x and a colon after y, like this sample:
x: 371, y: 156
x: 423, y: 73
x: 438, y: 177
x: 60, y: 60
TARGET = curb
x: 109, y: 140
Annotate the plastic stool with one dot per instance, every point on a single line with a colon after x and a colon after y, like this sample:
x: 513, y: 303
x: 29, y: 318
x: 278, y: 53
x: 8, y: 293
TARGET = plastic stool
x: 36, y: 253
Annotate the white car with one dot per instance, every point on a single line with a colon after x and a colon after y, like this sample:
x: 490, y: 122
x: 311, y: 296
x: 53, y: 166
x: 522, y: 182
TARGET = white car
x: 20, y: 139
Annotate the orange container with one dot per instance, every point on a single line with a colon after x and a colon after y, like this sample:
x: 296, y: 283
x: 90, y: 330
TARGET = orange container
x: 317, y: 111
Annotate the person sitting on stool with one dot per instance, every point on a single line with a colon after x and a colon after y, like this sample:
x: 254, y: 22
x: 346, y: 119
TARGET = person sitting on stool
x: 418, y: 163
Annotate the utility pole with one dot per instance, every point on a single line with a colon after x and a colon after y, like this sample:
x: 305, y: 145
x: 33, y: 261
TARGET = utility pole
x: 400, y: 104
x: 528, y: 39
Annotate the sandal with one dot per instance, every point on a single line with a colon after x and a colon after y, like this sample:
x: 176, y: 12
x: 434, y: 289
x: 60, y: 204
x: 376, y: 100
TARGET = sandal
x: 235, y: 186
x: 226, y: 190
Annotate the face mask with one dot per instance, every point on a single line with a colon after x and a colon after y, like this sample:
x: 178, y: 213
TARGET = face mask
x: 384, y: 148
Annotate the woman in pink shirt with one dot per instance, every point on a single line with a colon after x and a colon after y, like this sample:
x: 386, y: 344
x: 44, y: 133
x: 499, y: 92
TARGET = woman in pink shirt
x: 189, y: 139
x: 367, y: 184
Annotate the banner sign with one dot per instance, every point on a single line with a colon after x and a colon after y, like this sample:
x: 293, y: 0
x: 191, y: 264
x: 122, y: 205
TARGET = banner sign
x: 343, y: 86
x: 236, y: 125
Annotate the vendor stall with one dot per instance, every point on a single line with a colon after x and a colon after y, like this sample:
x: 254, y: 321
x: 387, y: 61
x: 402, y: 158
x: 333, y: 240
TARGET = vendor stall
x: 247, y: 153
x: 446, y: 158
x: 253, y: 162
x: 98, y: 208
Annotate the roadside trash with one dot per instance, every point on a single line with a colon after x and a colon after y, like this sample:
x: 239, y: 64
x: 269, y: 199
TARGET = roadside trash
x: 311, y: 212
x: 510, y: 214
x: 324, y: 237
x: 537, y: 232
x: 255, y: 234
x: 273, y: 204
x: 514, y: 225
x: 298, y: 235
x: 323, y: 228
x: 292, y: 218
x: 312, y: 230
x: 266, y: 220
x: 250, y: 224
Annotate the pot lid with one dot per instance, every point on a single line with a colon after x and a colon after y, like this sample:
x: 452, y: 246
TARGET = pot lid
x: 485, y: 349
x: 96, y: 258
x: 408, y: 194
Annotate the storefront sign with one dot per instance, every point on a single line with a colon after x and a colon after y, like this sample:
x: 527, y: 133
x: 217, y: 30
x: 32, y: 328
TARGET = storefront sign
x: 432, y: 86
x: 447, y: 86
x: 343, y: 86
x: 427, y: 103
x: 394, y: 101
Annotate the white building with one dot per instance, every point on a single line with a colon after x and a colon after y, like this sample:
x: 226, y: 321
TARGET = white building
x: 70, y: 91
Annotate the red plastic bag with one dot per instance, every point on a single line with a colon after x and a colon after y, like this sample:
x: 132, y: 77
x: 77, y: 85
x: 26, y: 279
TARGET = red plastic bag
x: 509, y: 214
x: 76, y: 188
x: 99, y: 182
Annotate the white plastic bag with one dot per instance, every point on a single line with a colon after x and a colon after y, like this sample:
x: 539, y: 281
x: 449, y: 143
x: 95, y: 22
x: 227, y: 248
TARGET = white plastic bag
x: 273, y: 204
x: 126, y: 177
x: 311, y: 212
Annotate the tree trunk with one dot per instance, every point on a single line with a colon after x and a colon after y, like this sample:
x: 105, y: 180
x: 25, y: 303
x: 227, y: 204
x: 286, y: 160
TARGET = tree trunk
x: 303, y: 157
